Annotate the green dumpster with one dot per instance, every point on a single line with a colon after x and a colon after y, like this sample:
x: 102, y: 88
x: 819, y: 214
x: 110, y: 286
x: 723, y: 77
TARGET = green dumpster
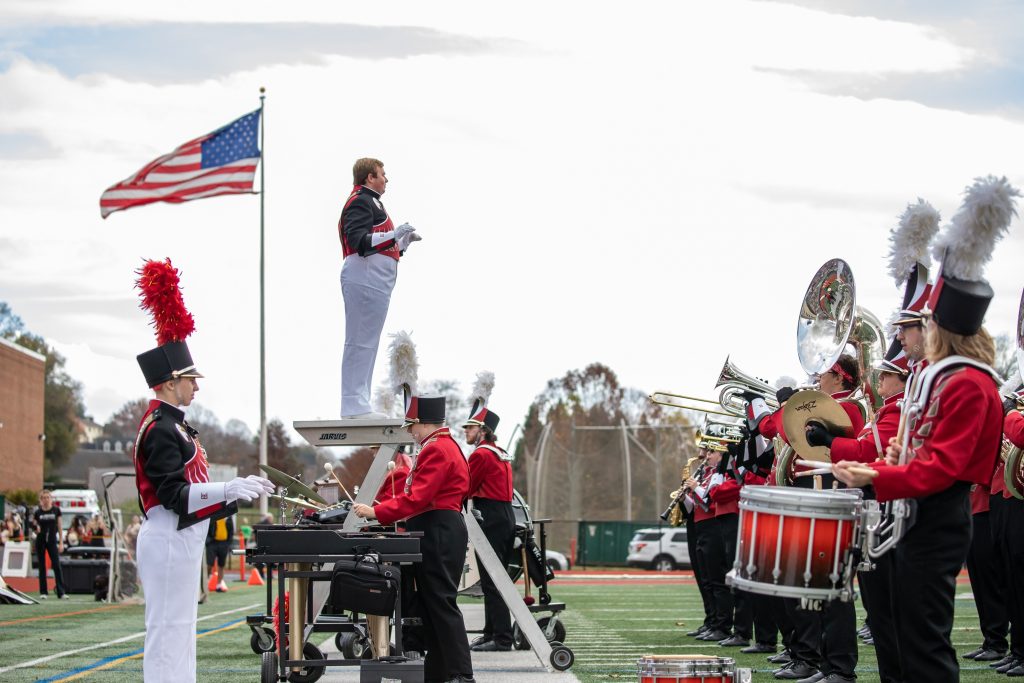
x: 606, y: 543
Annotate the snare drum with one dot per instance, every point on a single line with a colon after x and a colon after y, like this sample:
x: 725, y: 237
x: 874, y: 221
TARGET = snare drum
x: 690, y: 669
x: 797, y: 543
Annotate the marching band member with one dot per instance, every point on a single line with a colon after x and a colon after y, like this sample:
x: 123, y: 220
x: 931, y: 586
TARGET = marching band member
x: 693, y: 540
x: 724, y: 492
x: 175, y: 492
x: 394, y: 483
x: 868, y: 447
x: 432, y: 503
x: 1006, y: 516
x: 823, y: 642
x: 490, y: 487
x: 711, y: 548
x: 953, y: 435
x: 371, y: 246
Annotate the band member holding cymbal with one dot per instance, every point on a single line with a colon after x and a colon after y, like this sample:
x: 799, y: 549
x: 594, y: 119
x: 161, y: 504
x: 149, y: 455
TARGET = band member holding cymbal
x: 950, y: 441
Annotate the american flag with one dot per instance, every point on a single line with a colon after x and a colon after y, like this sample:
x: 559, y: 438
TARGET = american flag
x: 221, y: 162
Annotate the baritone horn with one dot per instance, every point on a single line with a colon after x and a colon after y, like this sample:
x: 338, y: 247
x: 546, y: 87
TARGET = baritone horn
x: 734, y: 383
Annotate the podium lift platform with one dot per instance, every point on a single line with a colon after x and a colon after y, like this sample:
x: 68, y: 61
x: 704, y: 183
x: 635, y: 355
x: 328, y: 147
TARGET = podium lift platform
x: 389, y: 434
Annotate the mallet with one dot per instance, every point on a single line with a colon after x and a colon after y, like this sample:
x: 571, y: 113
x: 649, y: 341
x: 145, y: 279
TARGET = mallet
x: 330, y: 468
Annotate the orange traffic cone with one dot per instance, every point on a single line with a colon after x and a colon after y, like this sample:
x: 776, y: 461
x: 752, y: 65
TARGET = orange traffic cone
x: 211, y: 585
x: 254, y: 578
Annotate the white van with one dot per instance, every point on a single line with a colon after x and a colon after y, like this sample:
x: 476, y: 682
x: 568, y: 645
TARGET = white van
x: 75, y: 502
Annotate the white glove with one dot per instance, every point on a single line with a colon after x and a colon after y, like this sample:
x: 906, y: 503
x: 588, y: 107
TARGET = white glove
x: 268, y: 486
x: 242, y: 489
x: 406, y: 240
x: 403, y: 230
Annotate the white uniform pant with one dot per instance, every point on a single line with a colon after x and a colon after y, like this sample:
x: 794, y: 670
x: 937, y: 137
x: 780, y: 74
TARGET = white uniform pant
x: 169, y: 563
x: 366, y: 285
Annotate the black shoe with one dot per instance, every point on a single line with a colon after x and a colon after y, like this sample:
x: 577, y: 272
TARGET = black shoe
x: 480, y: 641
x: 838, y: 678
x: 868, y: 641
x: 796, y: 670
x: 1016, y: 671
x: 491, y: 646
x: 1012, y: 664
x: 735, y: 641
x: 816, y: 678
x: 985, y: 655
x: 461, y: 679
x: 1005, y: 660
x: 759, y: 648
x: 783, y: 657
x: 713, y: 635
x: 700, y: 630
x: 974, y: 653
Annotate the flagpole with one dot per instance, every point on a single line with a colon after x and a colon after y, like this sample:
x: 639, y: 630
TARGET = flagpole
x: 263, y: 340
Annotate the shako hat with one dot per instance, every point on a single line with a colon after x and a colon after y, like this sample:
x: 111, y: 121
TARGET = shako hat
x: 895, y: 360
x: 909, y: 260
x: 479, y: 415
x: 158, y: 288
x: 960, y: 297
x: 424, y: 409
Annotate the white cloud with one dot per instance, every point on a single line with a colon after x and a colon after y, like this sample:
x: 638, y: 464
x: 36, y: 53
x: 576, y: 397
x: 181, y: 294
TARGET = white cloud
x: 636, y: 192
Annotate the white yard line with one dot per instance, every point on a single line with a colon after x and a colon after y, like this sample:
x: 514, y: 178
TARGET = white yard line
x: 125, y: 639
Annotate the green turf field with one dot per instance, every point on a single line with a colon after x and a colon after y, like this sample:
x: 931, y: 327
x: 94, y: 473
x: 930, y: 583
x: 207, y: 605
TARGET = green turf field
x: 608, y: 626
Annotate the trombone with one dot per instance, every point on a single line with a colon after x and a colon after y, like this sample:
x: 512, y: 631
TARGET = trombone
x: 654, y: 398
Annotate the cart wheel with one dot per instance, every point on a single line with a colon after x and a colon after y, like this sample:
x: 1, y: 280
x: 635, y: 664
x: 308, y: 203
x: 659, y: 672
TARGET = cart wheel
x: 268, y: 668
x: 558, y: 636
x: 310, y: 672
x: 519, y: 641
x: 262, y: 640
x: 545, y: 598
x: 561, y: 656
x: 341, y: 641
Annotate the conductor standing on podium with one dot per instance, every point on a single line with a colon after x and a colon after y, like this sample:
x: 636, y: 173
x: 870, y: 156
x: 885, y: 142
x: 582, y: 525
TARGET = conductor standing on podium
x: 371, y: 246
x: 432, y: 503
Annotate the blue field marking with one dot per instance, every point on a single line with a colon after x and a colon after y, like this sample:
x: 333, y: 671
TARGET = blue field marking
x: 125, y: 655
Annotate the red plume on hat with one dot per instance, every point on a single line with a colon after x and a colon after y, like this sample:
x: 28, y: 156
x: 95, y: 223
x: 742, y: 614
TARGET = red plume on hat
x: 158, y: 288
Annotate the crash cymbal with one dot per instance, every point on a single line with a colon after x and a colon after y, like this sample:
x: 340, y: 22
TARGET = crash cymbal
x: 294, y: 486
x: 808, y: 406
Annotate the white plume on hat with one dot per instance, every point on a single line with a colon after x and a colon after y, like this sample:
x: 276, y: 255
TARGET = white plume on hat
x: 404, y: 366
x: 482, y: 387
x: 967, y: 243
x: 908, y: 241
x: 785, y: 381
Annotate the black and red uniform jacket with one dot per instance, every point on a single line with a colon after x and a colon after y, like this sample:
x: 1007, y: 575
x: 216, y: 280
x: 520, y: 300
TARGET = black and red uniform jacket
x: 490, y: 475
x: 864, y: 448
x: 168, y: 458
x: 363, y: 215
x: 438, y: 481
x: 956, y: 438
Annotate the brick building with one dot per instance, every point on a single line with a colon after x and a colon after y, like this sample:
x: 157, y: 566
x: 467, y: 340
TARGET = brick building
x: 22, y: 383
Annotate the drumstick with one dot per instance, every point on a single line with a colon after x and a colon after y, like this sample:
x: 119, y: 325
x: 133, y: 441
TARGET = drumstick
x: 871, y: 472
x: 808, y: 473
x: 330, y: 468
x: 391, y: 470
x: 813, y: 464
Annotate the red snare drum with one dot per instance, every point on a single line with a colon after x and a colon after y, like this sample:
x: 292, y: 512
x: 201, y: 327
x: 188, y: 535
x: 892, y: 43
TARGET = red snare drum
x: 690, y: 669
x: 797, y: 543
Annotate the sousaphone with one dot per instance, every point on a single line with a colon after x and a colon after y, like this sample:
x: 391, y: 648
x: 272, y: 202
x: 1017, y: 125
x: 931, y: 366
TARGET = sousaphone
x: 828, y: 318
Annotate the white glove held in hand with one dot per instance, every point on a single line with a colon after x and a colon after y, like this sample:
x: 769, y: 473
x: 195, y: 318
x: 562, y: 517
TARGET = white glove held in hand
x: 403, y: 230
x: 405, y: 241
x: 242, y: 489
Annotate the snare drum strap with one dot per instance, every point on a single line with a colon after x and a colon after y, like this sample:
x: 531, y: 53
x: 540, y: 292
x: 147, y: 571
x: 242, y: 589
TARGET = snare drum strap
x: 878, y: 440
